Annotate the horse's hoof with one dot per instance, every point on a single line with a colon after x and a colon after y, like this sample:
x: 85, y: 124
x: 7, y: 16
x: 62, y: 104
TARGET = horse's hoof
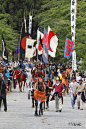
x: 47, y: 109
x: 35, y: 114
x: 32, y: 106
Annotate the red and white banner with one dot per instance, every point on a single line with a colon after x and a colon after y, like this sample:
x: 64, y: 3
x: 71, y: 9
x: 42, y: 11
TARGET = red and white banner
x: 52, y: 42
x: 38, y: 41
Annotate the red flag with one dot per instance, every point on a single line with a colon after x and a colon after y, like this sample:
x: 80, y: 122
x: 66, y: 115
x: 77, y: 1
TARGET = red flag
x: 39, y: 42
x: 52, y: 42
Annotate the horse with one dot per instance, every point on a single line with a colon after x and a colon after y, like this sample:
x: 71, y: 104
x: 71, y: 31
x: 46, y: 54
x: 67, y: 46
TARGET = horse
x: 39, y: 95
x: 20, y: 78
x: 65, y: 82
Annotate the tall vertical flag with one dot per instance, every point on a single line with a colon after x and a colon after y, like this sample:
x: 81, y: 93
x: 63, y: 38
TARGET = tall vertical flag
x: 4, y: 50
x: 45, y: 46
x: 52, y: 42
x: 25, y: 23
x: 73, y: 18
x: 74, y: 67
x: 29, y: 48
x: 23, y: 45
x: 69, y: 45
x: 16, y: 46
x: 40, y: 37
x: 35, y: 53
x: 73, y: 26
x: 30, y: 24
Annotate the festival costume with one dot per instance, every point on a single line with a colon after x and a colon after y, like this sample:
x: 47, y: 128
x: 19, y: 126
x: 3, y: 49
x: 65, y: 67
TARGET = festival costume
x: 58, y: 96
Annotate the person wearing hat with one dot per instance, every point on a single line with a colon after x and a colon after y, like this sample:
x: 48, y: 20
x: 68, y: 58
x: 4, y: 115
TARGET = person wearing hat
x: 59, y: 88
x: 72, y: 87
x: 80, y: 89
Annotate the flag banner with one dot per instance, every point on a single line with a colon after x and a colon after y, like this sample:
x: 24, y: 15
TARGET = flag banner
x: 69, y: 45
x: 73, y: 18
x: 74, y: 67
x: 16, y: 46
x: 4, y: 50
x: 25, y: 25
x: 23, y: 44
x: 40, y: 57
x: 52, y: 42
x: 45, y: 46
x: 29, y: 48
x: 40, y: 37
x: 34, y: 54
x: 30, y: 24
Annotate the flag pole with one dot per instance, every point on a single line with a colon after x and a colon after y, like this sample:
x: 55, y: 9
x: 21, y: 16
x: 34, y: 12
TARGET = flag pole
x: 75, y: 19
x: 38, y: 44
x: 19, y: 42
x: 1, y: 43
x: 1, y: 39
x: 74, y: 56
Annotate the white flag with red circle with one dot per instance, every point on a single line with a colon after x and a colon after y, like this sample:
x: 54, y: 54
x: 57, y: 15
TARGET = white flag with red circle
x: 52, y: 42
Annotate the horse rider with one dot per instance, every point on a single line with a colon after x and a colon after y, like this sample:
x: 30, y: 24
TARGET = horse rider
x: 36, y: 72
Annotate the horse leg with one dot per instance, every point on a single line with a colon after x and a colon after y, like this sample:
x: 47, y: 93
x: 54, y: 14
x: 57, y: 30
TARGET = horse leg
x: 41, y: 108
x: 36, y: 104
x: 44, y: 106
x: 24, y: 85
x: 19, y: 86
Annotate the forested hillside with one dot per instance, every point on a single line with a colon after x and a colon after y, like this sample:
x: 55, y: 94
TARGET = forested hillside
x: 55, y: 13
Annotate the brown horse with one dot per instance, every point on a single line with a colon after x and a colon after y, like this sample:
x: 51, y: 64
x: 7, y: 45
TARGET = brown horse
x: 65, y: 82
x: 39, y: 94
x: 20, y: 77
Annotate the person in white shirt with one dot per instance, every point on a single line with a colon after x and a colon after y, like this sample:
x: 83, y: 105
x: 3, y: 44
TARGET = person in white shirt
x: 77, y: 77
x: 72, y: 87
